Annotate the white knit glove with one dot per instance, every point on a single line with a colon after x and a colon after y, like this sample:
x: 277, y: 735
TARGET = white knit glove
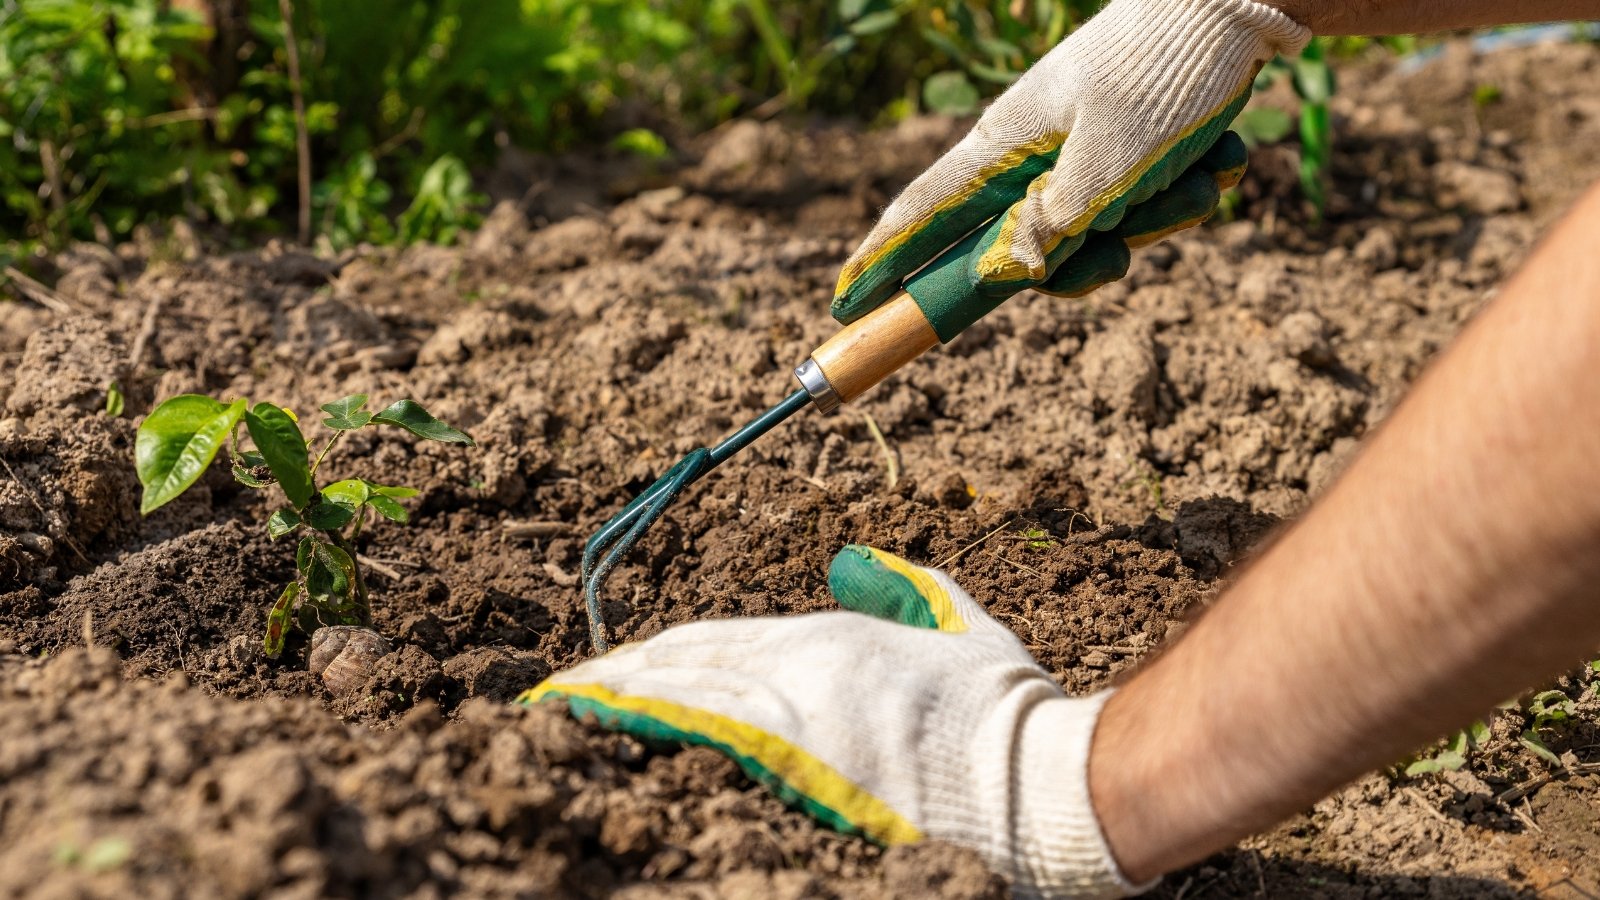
x: 924, y: 718
x: 1109, y: 117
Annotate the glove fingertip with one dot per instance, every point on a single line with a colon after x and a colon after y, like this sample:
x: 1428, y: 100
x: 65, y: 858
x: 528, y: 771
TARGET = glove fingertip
x: 882, y: 585
x: 859, y: 297
x: 1227, y: 160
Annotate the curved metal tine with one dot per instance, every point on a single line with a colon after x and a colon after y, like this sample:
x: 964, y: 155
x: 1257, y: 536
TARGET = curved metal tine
x: 645, y: 510
x: 603, y: 538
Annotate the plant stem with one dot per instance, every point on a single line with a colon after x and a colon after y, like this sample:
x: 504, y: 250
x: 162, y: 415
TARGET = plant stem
x: 363, y: 604
x: 325, y: 448
x: 777, y: 47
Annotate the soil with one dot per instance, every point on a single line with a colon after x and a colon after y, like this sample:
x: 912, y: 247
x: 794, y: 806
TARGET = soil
x: 1092, y: 470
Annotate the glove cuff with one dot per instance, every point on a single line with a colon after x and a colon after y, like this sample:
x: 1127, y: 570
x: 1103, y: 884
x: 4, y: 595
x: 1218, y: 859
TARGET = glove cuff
x: 1059, y: 847
x: 1222, y: 37
x: 1278, y: 32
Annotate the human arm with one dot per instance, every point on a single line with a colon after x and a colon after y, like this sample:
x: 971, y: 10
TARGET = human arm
x: 1456, y: 562
x: 1452, y: 565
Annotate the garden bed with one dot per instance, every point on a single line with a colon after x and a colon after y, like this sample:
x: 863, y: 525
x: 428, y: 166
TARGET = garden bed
x: 1121, y: 453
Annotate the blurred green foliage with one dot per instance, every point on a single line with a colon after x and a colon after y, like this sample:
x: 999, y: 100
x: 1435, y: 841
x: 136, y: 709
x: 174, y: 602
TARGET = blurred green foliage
x: 117, y: 112
x: 120, y: 112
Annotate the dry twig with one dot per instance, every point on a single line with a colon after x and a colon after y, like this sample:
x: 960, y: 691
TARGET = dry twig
x: 518, y: 529
x: 963, y: 551
x: 302, y: 139
x: 1415, y: 796
x: 1011, y: 562
x: 378, y: 567
x: 39, y: 293
x: 1526, y: 788
x: 890, y: 463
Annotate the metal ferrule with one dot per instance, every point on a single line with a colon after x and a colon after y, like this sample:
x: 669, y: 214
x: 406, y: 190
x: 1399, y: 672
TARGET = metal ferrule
x: 816, y: 384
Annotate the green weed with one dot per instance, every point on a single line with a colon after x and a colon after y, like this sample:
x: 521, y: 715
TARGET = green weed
x: 1455, y: 753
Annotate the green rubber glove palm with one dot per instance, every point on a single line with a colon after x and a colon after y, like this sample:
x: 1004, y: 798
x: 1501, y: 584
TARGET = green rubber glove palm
x: 1109, y: 119
x: 914, y: 715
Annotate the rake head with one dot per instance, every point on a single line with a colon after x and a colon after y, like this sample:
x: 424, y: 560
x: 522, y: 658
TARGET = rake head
x: 612, y: 542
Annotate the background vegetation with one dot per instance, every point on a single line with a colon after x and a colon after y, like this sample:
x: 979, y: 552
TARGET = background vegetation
x: 117, y: 112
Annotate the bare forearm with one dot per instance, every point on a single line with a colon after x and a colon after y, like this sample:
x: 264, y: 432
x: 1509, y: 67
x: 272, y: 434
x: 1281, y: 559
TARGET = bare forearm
x: 1375, y: 17
x: 1454, y: 564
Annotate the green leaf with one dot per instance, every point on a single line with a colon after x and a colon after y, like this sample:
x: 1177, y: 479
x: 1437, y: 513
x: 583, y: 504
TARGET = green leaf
x: 389, y: 509
x: 281, y: 522
x: 398, y: 493
x: 248, y: 479
x: 1313, y: 78
x: 278, y: 620
x: 410, y: 415
x: 1478, y: 732
x: 999, y: 48
x: 176, y: 443
x: 1532, y: 742
x: 351, y: 492
x: 280, y: 441
x: 332, y: 574
x: 1445, y: 761
x: 305, y: 553
x: 852, y: 9
x: 1262, y: 125
x: 1275, y: 69
x: 643, y: 143
x: 328, y: 516
x: 950, y: 93
x: 114, y: 401
x: 106, y: 854
x: 1422, y: 767
x: 347, y: 414
x: 1550, y: 706
x: 944, y: 43
x: 874, y: 22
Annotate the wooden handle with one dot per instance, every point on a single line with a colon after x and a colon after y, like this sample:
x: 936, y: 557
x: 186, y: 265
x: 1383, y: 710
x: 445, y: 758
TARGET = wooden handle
x: 864, y: 352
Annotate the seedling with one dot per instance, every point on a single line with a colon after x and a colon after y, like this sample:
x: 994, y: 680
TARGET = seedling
x: 1454, y: 755
x: 1038, y: 539
x: 179, y: 439
x: 1546, y: 709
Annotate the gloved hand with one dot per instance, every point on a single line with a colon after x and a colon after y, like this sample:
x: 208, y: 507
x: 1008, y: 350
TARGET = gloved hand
x: 1105, y: 121
x: 923, y: 718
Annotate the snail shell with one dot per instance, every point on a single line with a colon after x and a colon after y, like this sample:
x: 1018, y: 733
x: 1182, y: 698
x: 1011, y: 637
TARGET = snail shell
x: 345, y: 656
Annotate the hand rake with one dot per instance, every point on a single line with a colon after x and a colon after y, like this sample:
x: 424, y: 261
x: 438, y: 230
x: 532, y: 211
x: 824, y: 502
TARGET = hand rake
x: 938, y: 303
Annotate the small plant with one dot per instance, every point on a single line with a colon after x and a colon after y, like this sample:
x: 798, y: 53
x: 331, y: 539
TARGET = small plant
x: 1454, y: 755
x: 1546, y: 708
x: 1037, y: 539
x: 178, y: 440
x: 1313, y: 82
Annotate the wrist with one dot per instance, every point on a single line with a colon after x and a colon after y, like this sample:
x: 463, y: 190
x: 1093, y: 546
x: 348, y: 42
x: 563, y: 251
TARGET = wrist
x: 1311, y: 14
x: 1276, y: 23
x: 1059, y: 846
